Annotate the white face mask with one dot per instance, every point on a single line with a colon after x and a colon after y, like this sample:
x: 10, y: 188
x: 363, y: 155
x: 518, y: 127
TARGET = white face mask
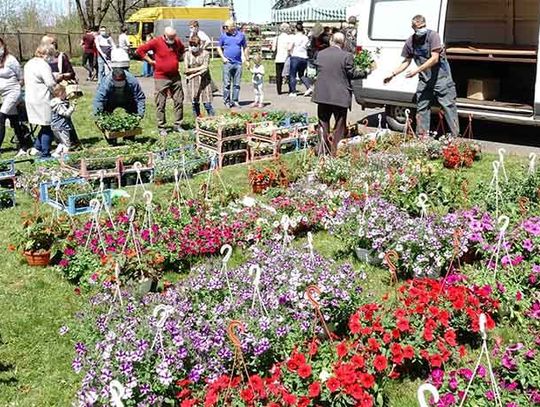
x: 194, y: 49
x: 49, y: 59
x: 104, y: 34
x: 420, y: 32
x: 169, y: 41
x: 119, y: 84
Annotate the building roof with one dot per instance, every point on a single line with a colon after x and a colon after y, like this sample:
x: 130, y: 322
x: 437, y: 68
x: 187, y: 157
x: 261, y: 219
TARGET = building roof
x: 312, y: 10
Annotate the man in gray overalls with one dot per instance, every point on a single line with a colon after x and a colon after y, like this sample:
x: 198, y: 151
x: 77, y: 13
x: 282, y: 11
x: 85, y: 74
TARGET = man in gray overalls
x: 435, y: 79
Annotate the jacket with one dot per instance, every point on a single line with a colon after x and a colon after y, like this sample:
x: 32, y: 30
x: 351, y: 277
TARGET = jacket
x: 130, y: 97
x: 38, y: 84
x: 335, y: 71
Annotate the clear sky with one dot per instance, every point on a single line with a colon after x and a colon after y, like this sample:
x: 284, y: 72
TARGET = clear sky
x: 255, y: 11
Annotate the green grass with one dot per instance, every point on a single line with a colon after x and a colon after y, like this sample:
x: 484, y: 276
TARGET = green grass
x: 35, y: 361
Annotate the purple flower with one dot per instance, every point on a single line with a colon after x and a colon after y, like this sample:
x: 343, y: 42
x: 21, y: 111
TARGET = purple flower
x: 63, y: 330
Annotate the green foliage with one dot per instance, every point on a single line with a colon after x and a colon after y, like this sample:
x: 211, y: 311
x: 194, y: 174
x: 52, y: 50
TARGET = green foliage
x: 119, y: 120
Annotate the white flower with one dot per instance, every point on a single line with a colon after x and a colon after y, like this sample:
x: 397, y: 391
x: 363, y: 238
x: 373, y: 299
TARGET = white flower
x: 324, y: 376
x: 249, y: 201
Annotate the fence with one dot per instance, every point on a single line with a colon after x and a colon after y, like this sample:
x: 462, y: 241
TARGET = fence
x: 24, y: 44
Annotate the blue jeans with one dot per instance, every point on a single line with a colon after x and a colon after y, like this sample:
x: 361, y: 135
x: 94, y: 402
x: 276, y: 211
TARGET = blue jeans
x: 196, y: 106
x: 298, y: 67
x: 148, y: 70
x: 44, y: 140
x: 103, y: 69
x: 232, y: 74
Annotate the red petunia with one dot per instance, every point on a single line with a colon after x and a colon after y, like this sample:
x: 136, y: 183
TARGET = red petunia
x: 303, y: 402
x: 314, y: 389
x: 435, y: 360
x: 247, y: 395
x: 332, y: 384
x: 304, y: 371
x: 358, y: 362
x: 450, y: 337
x: 354, y: 324
x: 342, y: 349
x: 373, y: 345
x: 408, y: 352
x: 289, y: 399
x: 367, y: 380
x: 313, y: 348
x: 403, y: 325
x: 380, y: 363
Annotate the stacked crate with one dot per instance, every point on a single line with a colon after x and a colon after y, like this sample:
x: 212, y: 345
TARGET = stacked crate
x: 226, y: 146
x: 112, y: 176
x: 130, y: 171
x: 7, y: 184
x: 268, y: 141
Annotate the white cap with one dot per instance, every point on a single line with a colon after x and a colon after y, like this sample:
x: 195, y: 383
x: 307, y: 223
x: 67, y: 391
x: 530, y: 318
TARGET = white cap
x: 119, y: 58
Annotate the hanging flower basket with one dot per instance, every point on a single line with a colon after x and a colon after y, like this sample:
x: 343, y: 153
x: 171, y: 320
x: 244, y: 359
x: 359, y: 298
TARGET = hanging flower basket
x: 38, y: 259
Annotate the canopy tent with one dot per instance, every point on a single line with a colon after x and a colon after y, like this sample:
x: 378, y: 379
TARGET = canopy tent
x: 313, y: 10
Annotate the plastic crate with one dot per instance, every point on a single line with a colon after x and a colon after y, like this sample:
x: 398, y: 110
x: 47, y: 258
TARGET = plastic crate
x: 71, y: 207
x: 7, y: 169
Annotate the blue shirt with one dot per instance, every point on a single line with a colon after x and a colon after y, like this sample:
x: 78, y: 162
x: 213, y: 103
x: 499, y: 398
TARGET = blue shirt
x: 232, y: 45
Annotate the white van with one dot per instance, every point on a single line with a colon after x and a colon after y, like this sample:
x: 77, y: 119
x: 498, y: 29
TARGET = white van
x: 492, y: 47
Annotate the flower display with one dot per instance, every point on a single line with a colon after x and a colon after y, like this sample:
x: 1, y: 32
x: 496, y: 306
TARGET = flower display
x: 128, y: 343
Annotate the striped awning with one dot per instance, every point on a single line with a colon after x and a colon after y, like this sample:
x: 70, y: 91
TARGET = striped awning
x: 314, y: 10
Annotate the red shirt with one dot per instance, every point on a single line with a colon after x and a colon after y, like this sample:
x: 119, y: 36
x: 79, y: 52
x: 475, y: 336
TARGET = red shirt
x: 88, y: 41
x: 166, y: 56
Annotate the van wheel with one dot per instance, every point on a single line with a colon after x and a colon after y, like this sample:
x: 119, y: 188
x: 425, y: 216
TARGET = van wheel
x: 395, y: 117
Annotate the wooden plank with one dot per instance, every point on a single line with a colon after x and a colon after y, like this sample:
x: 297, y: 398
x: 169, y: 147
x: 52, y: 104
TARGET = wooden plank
x: 491, y: 59
x: 490, y: 51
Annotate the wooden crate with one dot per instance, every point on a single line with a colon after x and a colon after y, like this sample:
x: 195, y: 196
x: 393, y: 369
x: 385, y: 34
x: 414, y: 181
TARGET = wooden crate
x: 223, y: 159
x: 113, y: 135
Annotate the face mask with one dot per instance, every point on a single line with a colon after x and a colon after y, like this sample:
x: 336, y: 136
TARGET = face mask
x: 169, y: 41
x: 192, y: 30
x: 420, y: 32
x: 119, y: 84
x: 104, y: 34
x: 49, y: 60
x: 194, y: 49
x: 1, y: 52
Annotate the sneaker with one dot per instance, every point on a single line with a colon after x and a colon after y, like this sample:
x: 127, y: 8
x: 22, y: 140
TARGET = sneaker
x: 260, y: 105
x: 254, y: 104
x: 235, y: 104
x: 162, y: 133
x: 308, y: 92
x: 56, y: 154
x: 292, y: 95
x: 34, y: 151
x: 22, y: 153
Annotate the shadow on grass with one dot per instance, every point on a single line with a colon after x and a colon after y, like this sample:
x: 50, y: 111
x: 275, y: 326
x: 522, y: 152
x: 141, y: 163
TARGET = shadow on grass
x: 6, y: 369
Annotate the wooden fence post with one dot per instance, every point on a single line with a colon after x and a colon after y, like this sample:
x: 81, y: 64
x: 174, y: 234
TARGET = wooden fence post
x: 69, y: 45
x: 19, y: 41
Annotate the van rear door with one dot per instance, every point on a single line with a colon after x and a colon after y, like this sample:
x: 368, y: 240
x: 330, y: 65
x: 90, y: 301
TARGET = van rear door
x: 385, y: 34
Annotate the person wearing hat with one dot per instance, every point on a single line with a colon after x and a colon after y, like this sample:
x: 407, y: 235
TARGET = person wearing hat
x: 350, y: 35
x: 232, y: 49
x: 120, y: 88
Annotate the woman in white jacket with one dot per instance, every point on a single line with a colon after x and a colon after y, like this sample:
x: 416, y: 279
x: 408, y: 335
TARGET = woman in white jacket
x: 10, y: 93
x: 39, y: 83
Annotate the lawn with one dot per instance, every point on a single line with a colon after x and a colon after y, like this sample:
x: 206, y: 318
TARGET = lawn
x: 35, y: 361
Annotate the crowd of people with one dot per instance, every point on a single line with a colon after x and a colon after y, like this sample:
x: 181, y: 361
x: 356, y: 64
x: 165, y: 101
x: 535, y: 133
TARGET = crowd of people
x: 322, y: 60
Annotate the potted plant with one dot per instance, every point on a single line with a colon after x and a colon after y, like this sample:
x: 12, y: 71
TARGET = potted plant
x: 38, y: 237
x: 261, y: 180
x: 363, y: 63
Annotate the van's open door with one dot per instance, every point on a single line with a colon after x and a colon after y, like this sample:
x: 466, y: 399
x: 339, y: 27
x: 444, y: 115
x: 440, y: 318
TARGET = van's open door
x: 384, y: 27
x: 537, y: 83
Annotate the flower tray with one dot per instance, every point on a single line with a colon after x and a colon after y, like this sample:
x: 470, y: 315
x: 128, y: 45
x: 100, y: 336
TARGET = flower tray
x: 221, y: 131
x: 221, y: 144
x: 147, y: 164
x: 76, y: 204
x: 228, y: 158
x: 261, y: 148
x: 112, y: 135
x: 7, y: 198
x: 129, y: 178
x: 80, y: 168
x: 7, y: 169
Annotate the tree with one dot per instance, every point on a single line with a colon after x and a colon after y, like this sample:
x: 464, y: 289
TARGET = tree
x: 92, y: 12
